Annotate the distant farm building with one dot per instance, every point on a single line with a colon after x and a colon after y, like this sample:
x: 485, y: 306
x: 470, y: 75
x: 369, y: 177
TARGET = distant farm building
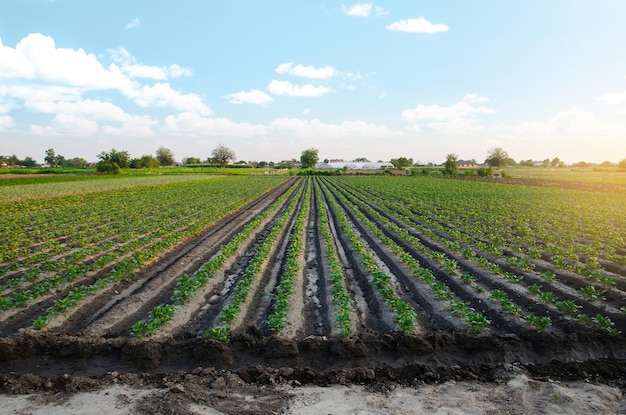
x: 353, y: 165
x: 467, y: 164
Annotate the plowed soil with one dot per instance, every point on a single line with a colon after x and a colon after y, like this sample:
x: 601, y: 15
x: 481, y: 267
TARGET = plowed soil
x: 92, y: 348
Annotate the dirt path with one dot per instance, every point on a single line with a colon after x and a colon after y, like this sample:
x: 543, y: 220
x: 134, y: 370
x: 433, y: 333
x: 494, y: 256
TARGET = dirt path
x: 208, y: 392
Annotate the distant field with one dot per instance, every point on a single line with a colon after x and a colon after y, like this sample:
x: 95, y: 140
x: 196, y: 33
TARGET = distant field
x: 586, y: 174
x: 12, y: 190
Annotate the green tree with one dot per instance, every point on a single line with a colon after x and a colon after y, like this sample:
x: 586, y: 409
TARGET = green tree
x: 622, y: 164
x: 309, y: 158
x: 145, y: 162
x: 113, y: 161
x: 361, y: 159
x: 77, y: 162
x: 451, y: 165
x: 51, y: 158
x: 191, y: 160
x: 223, y: 155
x: 121, y: 158
x: 497, y: 157
x: 9, y: 160
x: 165, y: 156
x: 402, y: 162
x: 27, y: 162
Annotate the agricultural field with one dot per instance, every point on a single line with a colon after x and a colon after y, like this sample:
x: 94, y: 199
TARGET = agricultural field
x: 333, y: 279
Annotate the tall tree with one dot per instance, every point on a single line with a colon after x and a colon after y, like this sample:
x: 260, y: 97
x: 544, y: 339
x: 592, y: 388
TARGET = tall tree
x: 223, y: 155
x: 497, y: 157
x: 51, y: 158
x: 165, y: 156
x: 451, y: 165
x: 309, y: 158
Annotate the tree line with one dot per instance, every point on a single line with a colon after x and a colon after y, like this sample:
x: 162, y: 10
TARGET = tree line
x: 114, y: 160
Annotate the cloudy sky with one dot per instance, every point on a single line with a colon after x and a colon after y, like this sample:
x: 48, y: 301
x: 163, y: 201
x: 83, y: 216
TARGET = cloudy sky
x: 381, y: 79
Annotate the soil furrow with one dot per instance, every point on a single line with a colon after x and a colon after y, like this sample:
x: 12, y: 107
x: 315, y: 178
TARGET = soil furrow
x: 119, y: 313
x: 376, y: 314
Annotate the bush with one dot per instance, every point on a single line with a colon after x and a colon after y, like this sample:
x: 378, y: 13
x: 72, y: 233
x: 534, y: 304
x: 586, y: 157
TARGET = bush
x: 485, y: 172
x: 108, y: 167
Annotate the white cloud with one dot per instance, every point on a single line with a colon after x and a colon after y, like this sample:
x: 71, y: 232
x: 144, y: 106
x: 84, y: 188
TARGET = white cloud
x: 315, y: 128
x: 355, y: 76
x: 155, y: 72
x: 613, y: 98
x: 6, y: 122
x: 307, y: 90
x: 381, y: 11
x: 192, y: 124
x: 324, y: 72
x: 419, y: 25
x: 306, y: 112
x: 14, y: 63
x: 571, y: 122
x: 134, y: 126
x: 458, y: 118
x: 37, y: 92
x: 128, y: 65
x: 254, y: 96
x: 43, y: 75
x: 359, y: 9
x: 93, y: 109
x: 67, y: 125
x: 133, y: 24
x: 475, y: 99
x: 162, y: 95
x: 36, y: 57
x: 363, y: 10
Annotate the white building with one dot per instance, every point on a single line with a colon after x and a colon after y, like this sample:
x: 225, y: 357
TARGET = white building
x: 354, y: 165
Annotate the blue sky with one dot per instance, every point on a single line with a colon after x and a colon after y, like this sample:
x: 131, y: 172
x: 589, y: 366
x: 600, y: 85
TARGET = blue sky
x: 380, y: 79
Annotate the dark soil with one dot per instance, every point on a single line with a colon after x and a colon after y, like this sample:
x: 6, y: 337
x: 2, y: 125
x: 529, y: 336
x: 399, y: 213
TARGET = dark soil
x: 71, y: 358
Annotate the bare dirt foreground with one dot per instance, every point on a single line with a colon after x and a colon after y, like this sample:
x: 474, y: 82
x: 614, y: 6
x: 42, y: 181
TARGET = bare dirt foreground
x: 514, y: 392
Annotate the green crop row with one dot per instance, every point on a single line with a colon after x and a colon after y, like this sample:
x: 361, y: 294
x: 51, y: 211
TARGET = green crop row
x: 187, y: 285
x: 230, y: 312
x: 401, y: 211
x: 341, y: 298
x: 285, y: 288
x: 404, y: 315
x: 124, y: 262
x: 474, y: 319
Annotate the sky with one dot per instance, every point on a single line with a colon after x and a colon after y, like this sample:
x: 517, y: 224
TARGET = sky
x: 269, y: 79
